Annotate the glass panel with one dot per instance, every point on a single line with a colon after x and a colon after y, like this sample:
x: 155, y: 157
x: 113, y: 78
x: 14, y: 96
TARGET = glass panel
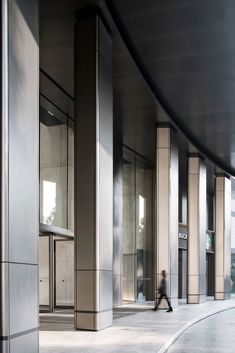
x: 53, y: 166
x: 129, y: 248
x: 56, y: 155
x: 144, y: 231
x: 137, y: 229
x: 64, y: 273
x: 70, y: 175
x: 44, y: 270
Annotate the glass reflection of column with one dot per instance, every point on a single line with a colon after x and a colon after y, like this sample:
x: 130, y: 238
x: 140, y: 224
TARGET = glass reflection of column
x: 140, y: 243
x: 129, y: 252
x: 53, y: 165
x: 137, y: 229
x: 144, y: 244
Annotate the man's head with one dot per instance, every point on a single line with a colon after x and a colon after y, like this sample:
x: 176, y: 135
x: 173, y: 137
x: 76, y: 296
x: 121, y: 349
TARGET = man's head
x: 164, y: 273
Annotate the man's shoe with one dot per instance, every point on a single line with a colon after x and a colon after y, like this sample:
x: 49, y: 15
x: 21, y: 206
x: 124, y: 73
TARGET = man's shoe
x: 154, y: 309
x: 169, y: 310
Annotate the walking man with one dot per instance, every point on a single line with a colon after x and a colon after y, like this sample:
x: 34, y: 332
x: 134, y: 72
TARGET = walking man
x: 162, y: 291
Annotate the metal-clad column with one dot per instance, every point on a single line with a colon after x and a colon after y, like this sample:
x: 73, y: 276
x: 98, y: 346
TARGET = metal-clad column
x: 196, y: 230
x: 223, y: 238
x: 167, y: 180
x: 19, y: 177
x: 93, y: 175
x: 117, y: 224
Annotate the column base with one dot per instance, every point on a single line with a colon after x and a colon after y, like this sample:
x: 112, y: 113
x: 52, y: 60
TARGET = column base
x: 196, y: 298
x: 93, y: 321
x: 222, y: 296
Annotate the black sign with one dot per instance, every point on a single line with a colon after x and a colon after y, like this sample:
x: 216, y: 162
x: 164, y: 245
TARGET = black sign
x: 183, y: 236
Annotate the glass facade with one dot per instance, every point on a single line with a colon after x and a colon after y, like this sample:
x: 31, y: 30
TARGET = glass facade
x: 43, y: 270
x: 137, y: 228
x: 56, y: 167
x: 56, y: 259
x: 64, y: 273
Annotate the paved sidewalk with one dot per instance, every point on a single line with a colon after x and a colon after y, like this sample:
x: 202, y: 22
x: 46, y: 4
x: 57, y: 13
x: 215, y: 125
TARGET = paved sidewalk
x: 146, y: 331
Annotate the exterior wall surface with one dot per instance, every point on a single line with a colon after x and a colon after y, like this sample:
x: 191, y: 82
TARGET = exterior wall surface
x: 117, y: 225
x: 93, y: 176
x: 167, y: 180
x: 196, y: 230
x: 223, y: 238
x: 19, y: 177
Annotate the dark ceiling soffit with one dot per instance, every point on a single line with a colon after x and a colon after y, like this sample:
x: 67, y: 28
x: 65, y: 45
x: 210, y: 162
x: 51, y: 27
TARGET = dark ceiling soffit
x: 92, y: 10
x: 157, y: 92
x: 56, y: 84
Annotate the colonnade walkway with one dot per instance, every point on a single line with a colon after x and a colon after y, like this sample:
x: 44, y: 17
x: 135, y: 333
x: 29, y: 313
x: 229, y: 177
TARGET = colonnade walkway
x: 141, y: 330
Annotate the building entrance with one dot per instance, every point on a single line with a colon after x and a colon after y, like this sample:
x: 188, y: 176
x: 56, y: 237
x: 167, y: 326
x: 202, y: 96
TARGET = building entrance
x: 56, y: 272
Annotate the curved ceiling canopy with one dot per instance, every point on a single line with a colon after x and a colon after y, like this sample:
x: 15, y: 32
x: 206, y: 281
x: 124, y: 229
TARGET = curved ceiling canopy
x: 185, y: 50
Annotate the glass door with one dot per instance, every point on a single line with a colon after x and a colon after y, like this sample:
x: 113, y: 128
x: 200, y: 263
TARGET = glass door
x: 64, y: 273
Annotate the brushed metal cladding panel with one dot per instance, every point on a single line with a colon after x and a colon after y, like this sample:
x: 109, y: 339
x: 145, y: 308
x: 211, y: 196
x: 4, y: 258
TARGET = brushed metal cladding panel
x: 85, y: 281
x: 4, y: 242
x: 4, y: 346
x: 94, y: 173
x: 106, y: 287
x: 202, y: 227
x: 227, y: 228
x: 174, y: 201
x: 86, y: 161
x: 23, y: 130
x: 117, y: 289
x: 117, y: 209
x: 223, y: 238
x: 197, y: 230
x: 167, y: 209
x: 23, y: 282
x: 104, y: 319
x: 4, y: 299
x: 117, y: 224
x: 28, y: 343
x: 105, y: 145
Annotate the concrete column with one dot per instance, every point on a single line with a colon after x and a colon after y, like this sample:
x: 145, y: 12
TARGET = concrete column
x: 19, y: 218
x: 223, y: 238
x: 93, y: 175
x: 117, y: 224
x: 196, y: 230
x: 167, y: 210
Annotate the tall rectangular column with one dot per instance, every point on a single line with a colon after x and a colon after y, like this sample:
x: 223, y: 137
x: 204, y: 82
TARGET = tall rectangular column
x: 93, y: 175
x: 117, y: 224
x: 167, y: 180
x: 223, y: 238
x: 19, y: 221
x: 196, y: 230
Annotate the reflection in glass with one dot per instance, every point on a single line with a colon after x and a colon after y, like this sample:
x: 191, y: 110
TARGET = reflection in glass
x: 43, y: 247
x: 49, y: 202
x: 56, y: 166
x: 64, y: 273
x: 137, y: 228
